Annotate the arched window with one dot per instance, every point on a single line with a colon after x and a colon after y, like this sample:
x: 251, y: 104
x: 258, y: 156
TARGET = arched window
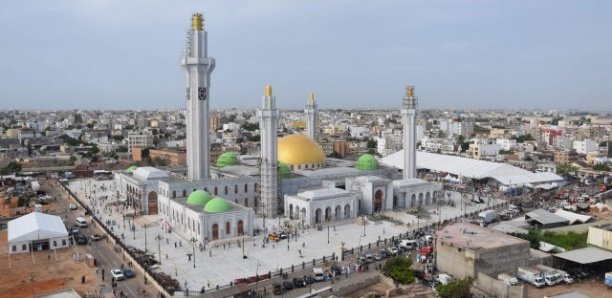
x: 63, y: 242
x: 246, y: 188
x: 236, y: 188
x: 246, y: 202
x: 174, y: 194
x: 226, y: 189
x: 227, y: 227
x: 184, y: 193
x: 306, y: 166
x: 54, y: 243
x: 215, y: 190
x: 23, y: 247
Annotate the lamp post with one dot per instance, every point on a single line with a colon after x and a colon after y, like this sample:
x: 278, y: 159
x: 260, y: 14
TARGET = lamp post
x: 243, y: 254
x: 364, y: 231
x: 328, y: 232
x: 159, y: 239
x: 193, y: 241
x: 145, y: 228
x: 133, y: 230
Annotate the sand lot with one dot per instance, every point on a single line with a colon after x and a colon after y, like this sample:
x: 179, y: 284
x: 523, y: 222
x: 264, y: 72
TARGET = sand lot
x: 58, y: 271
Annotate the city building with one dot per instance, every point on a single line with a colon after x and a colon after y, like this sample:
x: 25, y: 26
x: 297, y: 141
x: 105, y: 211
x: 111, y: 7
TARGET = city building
x: 600, y: 236
x: 173, y: 156
x: 139, y: 139
x: 36, y: 231
x: 585, y: 146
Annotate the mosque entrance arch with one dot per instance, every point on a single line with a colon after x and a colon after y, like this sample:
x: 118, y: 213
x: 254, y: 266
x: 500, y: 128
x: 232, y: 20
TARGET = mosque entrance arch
x: 318, y: 215
x: 240, y: 227
x: 338, y: 213
x: 290, y: 211
x: 152, y: 203
x: 378, y: 200
x: 215, y: 232
x: 347, y: 211
x: 420, y: 199
x: 328, y: 214
x: 413, y: 201
x: 427, y: 198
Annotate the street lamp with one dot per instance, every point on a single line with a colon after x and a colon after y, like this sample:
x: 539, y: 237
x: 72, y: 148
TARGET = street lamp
x: 364, y: 225
x: 159, y: 239
x: 145, y: 228
x: 328, y: 232
x: 133, y: 227
x: 193, y: 241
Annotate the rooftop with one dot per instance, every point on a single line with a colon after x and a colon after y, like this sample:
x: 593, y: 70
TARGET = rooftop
x: 467, y: 235
x: 586, y: 255
x: 544, y: 217
x: 323, y: 193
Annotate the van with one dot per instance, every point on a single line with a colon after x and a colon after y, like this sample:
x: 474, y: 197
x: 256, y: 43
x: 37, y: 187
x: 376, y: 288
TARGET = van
x: 81, y: 222
x: 318, y: 274
x: 408, y: 244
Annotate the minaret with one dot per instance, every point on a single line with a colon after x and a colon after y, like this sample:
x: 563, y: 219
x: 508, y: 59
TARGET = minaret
x: 409, y: 115
x: 198, y: 67
x: 311, y: 115
x: 268, y: 127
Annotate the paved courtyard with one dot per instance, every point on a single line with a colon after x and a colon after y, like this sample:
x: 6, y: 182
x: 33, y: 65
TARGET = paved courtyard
x: 221, y: 262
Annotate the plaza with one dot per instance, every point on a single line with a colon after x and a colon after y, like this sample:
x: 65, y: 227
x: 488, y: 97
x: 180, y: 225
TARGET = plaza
x: 221, y: 262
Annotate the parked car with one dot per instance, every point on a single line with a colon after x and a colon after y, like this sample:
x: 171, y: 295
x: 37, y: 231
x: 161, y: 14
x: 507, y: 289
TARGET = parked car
x: 277, y: 289
x: 81, y: 240
x: 95, y: 237
x: 128, y: 272
x: 393, y: 250
x: 385, y: 254
x: 309, y: 279
x: 378, y: 257
x: 369, y: 258
x: 118, y: 274
x: 299, y: 282
x: 287, y: 285
x: 72, y: 206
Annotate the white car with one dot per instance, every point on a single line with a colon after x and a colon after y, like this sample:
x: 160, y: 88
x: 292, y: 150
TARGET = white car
x: 118, y: 274
x: 73, y: 206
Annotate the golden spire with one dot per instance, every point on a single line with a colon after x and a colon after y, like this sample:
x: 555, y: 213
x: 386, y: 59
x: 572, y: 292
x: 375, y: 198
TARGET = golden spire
x: 409, y: 91
x: 197, y: 22
x: 268, y: 90
x: 311, y: 96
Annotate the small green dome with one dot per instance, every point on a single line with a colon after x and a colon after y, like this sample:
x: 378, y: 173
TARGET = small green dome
x: 283, y: 170
x: 199, y: 197
x: 131, y: 169
x: 227, y: 159
x: 367, y: 162
x: 217, y: 205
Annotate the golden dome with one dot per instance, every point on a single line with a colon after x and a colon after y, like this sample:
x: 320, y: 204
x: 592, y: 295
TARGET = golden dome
x: 299, y: 150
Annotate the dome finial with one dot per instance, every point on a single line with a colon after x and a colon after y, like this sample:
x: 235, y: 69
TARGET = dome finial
x: 409, y: 91
x: 268, y: 90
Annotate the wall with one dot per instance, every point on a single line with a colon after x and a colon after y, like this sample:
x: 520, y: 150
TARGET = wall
x: 600, y: 237
x: 497, y: 288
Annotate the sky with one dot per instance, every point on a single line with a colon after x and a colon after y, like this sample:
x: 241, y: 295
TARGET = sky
x: 125, y: 54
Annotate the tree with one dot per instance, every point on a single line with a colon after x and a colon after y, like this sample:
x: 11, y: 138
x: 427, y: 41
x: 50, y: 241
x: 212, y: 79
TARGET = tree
x: 72, y: 160
x: 455, y: 289
x: 398, y: 269
x: 601, y: 167
x: 563, y: 169
x: 118, y: 138
x: 372, y: 143
x: 334, y: 154
x: 255, y: 138
x: 12, y: 167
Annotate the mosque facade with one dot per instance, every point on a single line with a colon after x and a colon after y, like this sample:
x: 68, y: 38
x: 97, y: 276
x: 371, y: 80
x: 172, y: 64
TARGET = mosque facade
x: 293, y: 178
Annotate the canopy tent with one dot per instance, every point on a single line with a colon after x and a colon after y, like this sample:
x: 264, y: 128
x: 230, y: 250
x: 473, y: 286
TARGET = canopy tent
x: 586, y: 255
x: 36, y: 226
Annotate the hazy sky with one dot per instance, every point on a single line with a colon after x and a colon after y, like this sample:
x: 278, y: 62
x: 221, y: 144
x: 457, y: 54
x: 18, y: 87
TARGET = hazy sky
x: 114, y: 54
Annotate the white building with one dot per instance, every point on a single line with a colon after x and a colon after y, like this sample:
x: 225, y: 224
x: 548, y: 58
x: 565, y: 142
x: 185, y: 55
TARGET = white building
x: 321, y: 205
x: 506, y: 144
x: 36, y: 231
x: 585, y: 146
x: 139, y: 139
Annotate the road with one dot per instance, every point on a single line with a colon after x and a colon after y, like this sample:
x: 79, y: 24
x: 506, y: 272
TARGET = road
x: 103, y: 251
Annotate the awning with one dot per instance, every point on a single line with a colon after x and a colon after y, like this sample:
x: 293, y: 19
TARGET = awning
x: 586, y: 255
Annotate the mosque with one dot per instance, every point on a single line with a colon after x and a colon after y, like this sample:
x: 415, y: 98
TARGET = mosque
x: 291, y: 178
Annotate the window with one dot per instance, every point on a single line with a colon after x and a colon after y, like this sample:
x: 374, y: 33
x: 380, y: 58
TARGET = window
x: 235, y: 188
x: 246, y: 188
x: 215, y: 190
x: 184, y: 193
x: 14, y: 248
x: 227, y: 227
x: 226, y: 189
x: 306, y: 166
x: 54, y: 243
x: 23, y: 247
x: 174, y: 194
x: 63, y: 242
x: 246, y: 202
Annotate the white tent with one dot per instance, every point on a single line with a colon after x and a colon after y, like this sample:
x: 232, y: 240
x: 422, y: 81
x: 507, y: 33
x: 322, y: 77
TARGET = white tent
x: 36, y: 228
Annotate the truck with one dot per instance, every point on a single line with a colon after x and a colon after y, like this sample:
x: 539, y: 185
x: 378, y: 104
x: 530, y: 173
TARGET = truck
x: 551, y: 275
x: 507, y: 279
x: 531, y: 275
x: 608, y: 279
x: 486, y: 217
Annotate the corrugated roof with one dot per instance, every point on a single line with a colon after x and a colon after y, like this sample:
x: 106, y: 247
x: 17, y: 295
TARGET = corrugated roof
x: 544, y: 217
x: 573, y: 217
x: 586, y: 255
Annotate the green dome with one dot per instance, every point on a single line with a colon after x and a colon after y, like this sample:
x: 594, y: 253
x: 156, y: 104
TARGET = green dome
x: 199, y: 197
x: 227, y: 159
x: 367, y: 162
x: 131, y: 169
x: 217, y: 205
x: 283, y: 170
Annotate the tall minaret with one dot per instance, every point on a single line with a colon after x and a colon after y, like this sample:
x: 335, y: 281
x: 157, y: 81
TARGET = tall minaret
x: 198, y: 67
x: 268, y: 127
x: 409, y: 115
x: 311, y: 115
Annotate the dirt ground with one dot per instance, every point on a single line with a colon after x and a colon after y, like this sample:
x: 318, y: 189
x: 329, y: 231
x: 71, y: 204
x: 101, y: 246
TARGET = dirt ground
x: 23, y: 279
x: 592, y: 287
x: 380, y: 288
